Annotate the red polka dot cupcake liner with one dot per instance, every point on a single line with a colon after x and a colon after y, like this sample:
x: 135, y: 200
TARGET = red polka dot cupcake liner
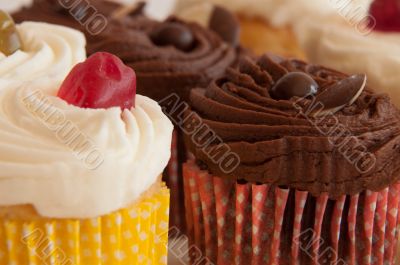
x: 232, y: 223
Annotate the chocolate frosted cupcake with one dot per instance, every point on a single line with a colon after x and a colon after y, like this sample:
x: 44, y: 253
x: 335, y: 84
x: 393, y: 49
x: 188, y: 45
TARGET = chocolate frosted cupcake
x: 292, y: 164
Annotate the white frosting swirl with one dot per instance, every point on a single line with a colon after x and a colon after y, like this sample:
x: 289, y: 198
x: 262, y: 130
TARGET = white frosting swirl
x: 44, y: 166
x: 277, y: 12
x: 49, y: 51
x: 345, y: 49
x: 156, y: 9
x: 12, y: 6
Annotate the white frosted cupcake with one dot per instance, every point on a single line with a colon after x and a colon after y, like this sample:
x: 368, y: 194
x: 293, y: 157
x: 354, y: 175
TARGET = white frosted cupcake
x: 267, y: 25
x: 35, y: 50
x: 81, y: 171
x: 349, y: 49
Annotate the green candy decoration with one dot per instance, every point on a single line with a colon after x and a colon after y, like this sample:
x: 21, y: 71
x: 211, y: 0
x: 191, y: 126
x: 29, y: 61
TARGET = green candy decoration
x: 10, y: 40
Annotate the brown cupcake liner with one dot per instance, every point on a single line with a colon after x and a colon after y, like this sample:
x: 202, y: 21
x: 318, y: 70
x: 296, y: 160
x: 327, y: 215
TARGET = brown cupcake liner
x: 233, y: 223
x: 173, y: 178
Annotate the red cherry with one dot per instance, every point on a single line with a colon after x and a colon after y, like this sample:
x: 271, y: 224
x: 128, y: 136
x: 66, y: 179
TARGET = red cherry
x: 386, y: 15
x: 102, y: 81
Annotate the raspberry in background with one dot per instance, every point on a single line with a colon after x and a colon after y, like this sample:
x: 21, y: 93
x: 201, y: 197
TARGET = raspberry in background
x: 386, y: 15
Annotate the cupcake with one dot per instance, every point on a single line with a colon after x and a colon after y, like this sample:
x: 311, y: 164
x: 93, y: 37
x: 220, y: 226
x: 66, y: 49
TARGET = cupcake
x: 292, y: 163
x: 34, y: 50
x: 258, y: 33
x: 90, y: 190
x: 373, y: 50
x: 169, y: 58
x: 267, y: 25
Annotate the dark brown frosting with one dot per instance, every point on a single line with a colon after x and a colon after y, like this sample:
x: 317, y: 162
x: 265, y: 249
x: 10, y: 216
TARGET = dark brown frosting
x: 162, y: 70
x: 51, y: 11
x: 277, y: 145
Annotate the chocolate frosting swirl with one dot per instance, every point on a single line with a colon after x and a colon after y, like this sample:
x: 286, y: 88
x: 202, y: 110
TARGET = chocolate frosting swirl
x: 162, y: 70
x: 51, y: 11
x: 278, y: 145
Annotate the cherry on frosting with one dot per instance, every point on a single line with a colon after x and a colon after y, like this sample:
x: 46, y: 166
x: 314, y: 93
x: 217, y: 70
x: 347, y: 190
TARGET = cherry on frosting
x: 385, y: 15
x: 102, y: 81
x: 294, y: 84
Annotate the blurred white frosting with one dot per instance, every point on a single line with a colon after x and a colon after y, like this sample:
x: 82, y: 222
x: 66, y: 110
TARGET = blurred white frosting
x: 278, y: 12
x: 156, y: 9
x: 12, y: 6
x: 346, y: 49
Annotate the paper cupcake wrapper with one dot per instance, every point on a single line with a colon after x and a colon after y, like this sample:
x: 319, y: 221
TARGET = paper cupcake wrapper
x: 135, y: 235
x: 233, y: 223
x: 174, y: 181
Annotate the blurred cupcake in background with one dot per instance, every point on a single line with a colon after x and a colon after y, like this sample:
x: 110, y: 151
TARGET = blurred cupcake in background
x: 81, y: 165
x: 292, y: 163
x: 34, y: 50
x: 267, y: 25
x: 91, y: 16
x: 370, y: 48
x: 257, y: 34
x: 155, y: 9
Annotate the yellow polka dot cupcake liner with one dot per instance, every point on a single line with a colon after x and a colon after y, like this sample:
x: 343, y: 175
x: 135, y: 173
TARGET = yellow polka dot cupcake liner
x: 135, y: 235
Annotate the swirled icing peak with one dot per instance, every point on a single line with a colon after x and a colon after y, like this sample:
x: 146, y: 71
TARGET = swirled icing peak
x: 48, y: 51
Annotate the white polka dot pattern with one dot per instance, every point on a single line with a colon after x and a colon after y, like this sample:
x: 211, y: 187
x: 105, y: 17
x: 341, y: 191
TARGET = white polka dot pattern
x: 136, y: 235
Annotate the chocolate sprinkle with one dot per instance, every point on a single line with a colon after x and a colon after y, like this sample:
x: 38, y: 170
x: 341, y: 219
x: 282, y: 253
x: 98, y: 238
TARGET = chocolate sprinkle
x: 226, y: 25
x: 294, y: 84
x: 175, y: 34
